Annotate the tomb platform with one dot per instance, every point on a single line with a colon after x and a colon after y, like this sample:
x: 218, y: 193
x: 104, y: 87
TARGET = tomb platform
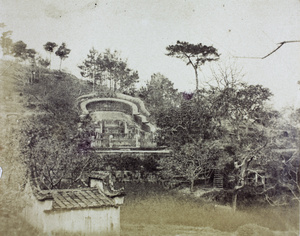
x: 117, y: 123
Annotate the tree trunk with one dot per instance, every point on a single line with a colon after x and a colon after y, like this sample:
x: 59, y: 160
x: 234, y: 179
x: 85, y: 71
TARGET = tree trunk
x: 234, y: 200
x: 60, y: 64
x: 50, y: 61
x: 192, y: 186
x: 39, y: 73
x: 93, y: 81
x: 197, y: 80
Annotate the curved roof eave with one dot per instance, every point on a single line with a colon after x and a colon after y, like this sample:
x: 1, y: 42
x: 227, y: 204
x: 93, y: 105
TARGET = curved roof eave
x: 83, y: 104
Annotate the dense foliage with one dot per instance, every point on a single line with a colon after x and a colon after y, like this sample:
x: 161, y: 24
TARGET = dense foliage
x: 159, y: 95
x: 62, y: 52
x: 49, y: 47
x: 229, y: 127
x: 109, y: 67
x: 49, y: 138
x: 6, y: 42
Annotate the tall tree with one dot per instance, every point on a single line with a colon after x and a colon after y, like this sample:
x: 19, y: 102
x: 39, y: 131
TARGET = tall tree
x: 243, y: 118
x: 186, y: 123
x: 111, y: 62
x: 62, y: 52
x: 120, y: 76
x: 30, y: 55
x: 159, y: 94
x: 19, y: 49
x: 49, y: 47
x: 192, y: 161
x: 110, y: 66
x: 92, y: 67
x: 193, y: 54
x: 127, y: 81
x: 43, y: 62
x: 6, y: 43
x: 233, y: 113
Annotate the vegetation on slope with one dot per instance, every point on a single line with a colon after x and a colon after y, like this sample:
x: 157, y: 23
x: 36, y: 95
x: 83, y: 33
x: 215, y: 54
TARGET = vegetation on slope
x: 151, y: 210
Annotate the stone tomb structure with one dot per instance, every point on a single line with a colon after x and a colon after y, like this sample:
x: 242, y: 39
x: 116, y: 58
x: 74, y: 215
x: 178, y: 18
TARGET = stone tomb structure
x: 118, y: 123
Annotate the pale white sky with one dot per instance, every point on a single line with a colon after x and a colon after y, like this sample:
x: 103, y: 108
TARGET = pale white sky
x: 142, y: 29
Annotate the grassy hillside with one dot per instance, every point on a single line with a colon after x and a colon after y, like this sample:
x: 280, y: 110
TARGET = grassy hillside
x: 12, y: 110
x: 51, y: 95
x: 150, y: 210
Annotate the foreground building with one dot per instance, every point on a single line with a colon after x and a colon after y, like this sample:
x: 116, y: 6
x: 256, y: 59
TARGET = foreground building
x: 92, y: 210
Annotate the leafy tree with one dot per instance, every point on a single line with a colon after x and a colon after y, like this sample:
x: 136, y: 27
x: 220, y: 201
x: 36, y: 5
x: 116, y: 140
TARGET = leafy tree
x: 109, y: 66
x: 117, y: 72
x: 92, y: 67
x: 49, y: 47
x: 30, y: 54
x: 233, y: 113
x: 193, y: 54
x: 186, y: 123
x: 49, y: 158
x: 282, y: 172
x: 63, y: 53
x: 50, y: 149
x: 110, y: 63
x: 189, y: 129
x: 241, y: 114
x: 43, y: 62
x: 192, y: 161
x: 6, y: 43
x: 126, y: 80
x: 159, y: 94
x: 19, y: 49
x: 282, y: 167
x: 50, y: 137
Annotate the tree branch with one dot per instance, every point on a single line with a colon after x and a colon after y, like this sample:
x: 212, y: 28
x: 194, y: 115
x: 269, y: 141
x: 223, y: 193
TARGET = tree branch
x: 280, y: 45
x: 85, y: 165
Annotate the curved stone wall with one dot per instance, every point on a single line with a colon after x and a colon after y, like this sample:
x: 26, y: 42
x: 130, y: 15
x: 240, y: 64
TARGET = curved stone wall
x: 116, y: 123
x: 84, y: 104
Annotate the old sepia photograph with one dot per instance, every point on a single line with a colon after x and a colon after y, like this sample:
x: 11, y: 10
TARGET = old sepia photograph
x: 149, y: 117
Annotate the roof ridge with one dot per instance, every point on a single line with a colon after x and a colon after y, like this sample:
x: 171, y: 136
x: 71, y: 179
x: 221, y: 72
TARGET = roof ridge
x: 71, y: 189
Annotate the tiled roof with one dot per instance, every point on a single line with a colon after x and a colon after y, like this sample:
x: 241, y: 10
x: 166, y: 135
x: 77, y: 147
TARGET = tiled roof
x: 108, y: 189
x: 37, y: 192
x: 99, y: 175
x: 80, y: 198
x: 91, y: 197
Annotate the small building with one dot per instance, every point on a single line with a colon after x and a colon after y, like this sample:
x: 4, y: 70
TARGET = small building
x: 92, y: 210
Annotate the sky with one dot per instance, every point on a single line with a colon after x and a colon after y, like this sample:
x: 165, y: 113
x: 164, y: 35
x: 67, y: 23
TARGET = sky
x: 142, y: 29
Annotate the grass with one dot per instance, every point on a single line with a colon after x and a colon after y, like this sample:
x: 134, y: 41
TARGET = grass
x: 148, y: 206
x: 150, y: 210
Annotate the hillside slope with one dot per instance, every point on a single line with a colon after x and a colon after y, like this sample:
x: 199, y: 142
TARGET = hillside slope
x: 12, y: 109
x: 21, y: 101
